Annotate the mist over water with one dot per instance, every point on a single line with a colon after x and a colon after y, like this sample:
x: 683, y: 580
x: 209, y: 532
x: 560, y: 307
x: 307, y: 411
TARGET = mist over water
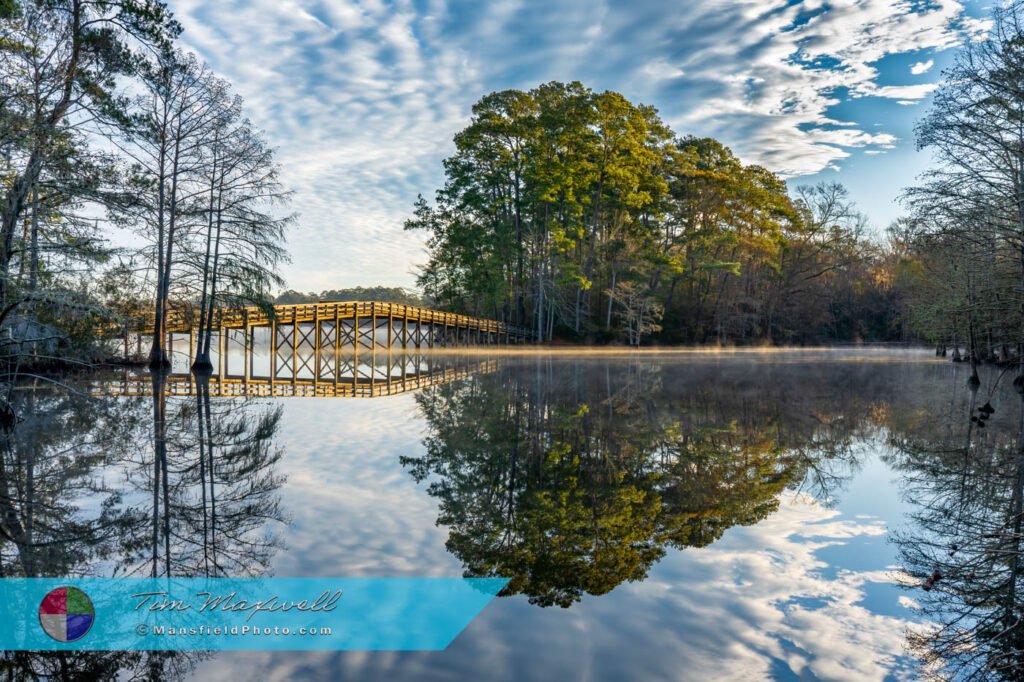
x: 660, y: 515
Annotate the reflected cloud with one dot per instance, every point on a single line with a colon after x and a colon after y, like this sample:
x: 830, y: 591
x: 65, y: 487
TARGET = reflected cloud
x: 755, y: 605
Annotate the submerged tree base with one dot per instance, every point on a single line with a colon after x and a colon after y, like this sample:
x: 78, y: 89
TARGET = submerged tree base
x: 158, y: 359
x: 202, y: 365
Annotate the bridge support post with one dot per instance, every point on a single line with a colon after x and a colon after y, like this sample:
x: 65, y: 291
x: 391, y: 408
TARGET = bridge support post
x: 247, y: 342
x: 222, y: 362
x: 295, y: 347
x: 273, y: 354
x: 316, y: 346
x: 337, y: 347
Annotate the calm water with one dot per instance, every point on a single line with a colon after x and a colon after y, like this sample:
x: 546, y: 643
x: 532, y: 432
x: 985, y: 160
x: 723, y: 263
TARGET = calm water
x: 661, y: 516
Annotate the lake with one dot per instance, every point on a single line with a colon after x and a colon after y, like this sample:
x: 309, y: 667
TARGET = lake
x: 804, y: 514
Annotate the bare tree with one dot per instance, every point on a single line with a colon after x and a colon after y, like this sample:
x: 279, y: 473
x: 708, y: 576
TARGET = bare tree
x: 641, y: 312
x: 173, y: 121
x: 975, y: 197
x: 244, y: 240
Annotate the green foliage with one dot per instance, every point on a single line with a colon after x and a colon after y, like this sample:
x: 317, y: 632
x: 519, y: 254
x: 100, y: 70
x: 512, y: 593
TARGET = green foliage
x: 562, y: 203
x: 61, y: 65
x: 9, y: 9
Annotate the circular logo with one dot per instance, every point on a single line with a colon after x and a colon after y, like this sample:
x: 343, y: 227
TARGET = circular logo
x: 66, y: 614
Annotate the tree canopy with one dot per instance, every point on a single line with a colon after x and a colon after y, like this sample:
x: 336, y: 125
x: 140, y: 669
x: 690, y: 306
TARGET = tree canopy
x: 580, y: 213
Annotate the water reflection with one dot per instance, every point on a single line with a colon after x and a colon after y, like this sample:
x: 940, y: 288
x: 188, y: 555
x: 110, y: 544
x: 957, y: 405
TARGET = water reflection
x: 648, y: 494
x: 214, y: 483
x: 571, y: 482
x: 963, y: 552
x: 81, y: 496
x: 370, y: 374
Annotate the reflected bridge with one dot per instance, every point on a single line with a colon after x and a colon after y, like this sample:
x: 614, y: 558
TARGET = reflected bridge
x: 371, y: 374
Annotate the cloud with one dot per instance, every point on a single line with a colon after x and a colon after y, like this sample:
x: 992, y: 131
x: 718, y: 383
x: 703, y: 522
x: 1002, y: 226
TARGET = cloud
x: 919, y: 68
x: 758, y: 604
x: 903, y: 92
x: 362, y: 97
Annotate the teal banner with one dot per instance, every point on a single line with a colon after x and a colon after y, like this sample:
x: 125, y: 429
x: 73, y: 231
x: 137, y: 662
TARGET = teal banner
x: 239, y: 613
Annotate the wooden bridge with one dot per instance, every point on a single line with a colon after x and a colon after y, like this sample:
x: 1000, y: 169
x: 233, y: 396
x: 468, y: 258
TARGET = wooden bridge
x: 332, y: 328
x: 345, y: 349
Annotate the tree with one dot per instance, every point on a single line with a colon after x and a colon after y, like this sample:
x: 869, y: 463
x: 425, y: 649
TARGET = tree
x: 204, y: 191
x: 180, y: 110
x: 641, y: 313
x: 244, y: 238
x: 543, y: 194
x: 558, y: 197
x: 60, y: 64
x: 970, y: 209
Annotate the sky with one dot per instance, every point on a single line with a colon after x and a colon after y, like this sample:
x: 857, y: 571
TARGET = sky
x: 362, y: 98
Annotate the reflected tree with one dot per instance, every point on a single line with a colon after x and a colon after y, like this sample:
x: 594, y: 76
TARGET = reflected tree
x: 212, y: 487
x: 52, y: 465
x: 962, y: 554
x: 80, y: 497
x: 63, y: 514
x: 568, y: 495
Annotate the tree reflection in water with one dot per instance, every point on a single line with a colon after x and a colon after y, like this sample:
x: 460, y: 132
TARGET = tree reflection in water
x: 214, y: 509
x: 962, y: 552
x: 81, y: 495
x: 572, y: 481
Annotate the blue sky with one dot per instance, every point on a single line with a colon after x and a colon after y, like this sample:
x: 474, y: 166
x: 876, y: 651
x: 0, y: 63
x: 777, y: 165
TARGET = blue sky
x: 362, y: 98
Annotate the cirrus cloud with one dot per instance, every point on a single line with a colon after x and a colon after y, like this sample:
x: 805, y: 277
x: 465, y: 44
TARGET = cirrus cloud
x: 363, y: 97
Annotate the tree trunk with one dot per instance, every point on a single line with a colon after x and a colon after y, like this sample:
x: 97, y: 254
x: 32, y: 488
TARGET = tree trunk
x: 611, y: 300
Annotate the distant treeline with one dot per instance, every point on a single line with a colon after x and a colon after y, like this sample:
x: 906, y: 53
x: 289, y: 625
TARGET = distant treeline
x: 384, y: 294
x: 581, y: 214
